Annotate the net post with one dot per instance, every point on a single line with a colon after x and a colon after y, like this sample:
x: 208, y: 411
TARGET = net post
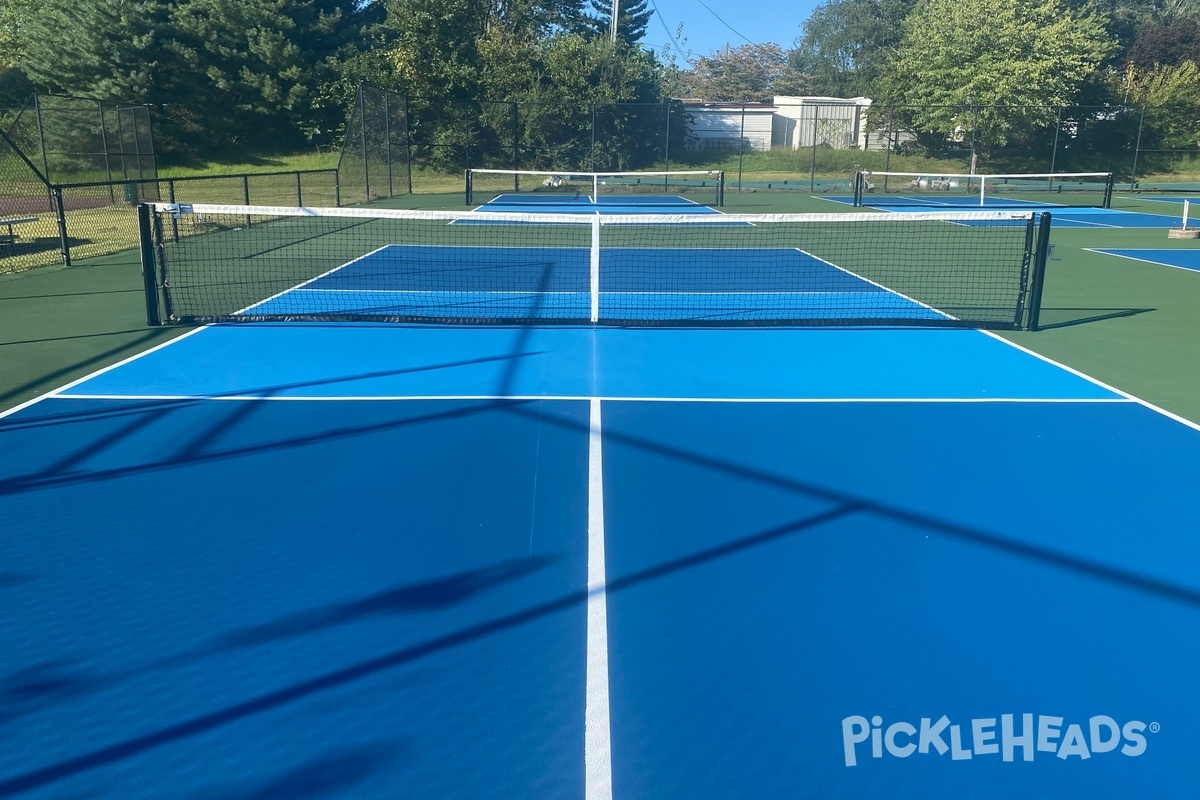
x: 1108, y: 191
x: 858, y: 188
x: 595, y: 270
x: 171, y: 200
x: 982, y: 191
x: 721, y: 188
x: 60, y: 211
x: 467, y: 184
x: 1039, y: 272
x: 149, y: 270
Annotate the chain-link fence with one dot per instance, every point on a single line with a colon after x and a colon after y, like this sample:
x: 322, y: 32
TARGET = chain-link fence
x: 61, y: 223
x: 395, y: 145
x: 76, y: 140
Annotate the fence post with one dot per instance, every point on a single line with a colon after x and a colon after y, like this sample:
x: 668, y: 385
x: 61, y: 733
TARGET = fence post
x: 60, y: 211
x: 887, y: 149
x: 1057, y: 129
x: 408, y: 144
x: 974, y: 137
x: 516, y: 151
x: 112, y: 197
x: 362, y: 118
x: 667, y: 142
x: 387, y: 138
x: 592, y: 151
x: 812, y: 177
x: 741, y: 145
x: 1137, y: 148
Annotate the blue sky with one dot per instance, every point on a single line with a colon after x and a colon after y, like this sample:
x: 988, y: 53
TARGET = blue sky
x: 708, y: 25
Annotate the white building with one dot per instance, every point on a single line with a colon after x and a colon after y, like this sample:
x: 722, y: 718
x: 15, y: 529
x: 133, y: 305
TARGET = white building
x: 801, y: 122
x: 729, y: 126
x: 796, y: 123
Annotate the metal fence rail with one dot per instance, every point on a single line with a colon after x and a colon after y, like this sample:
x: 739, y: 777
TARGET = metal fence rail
x: 61, y: 223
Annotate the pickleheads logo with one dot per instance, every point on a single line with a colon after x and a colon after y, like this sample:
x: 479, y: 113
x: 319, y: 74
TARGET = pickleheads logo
x: 1028, y: 733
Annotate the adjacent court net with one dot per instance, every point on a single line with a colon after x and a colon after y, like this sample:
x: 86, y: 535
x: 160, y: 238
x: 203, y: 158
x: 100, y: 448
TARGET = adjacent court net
x: 525, y: 187
x: 227, y: 263
x: 1031, y: 190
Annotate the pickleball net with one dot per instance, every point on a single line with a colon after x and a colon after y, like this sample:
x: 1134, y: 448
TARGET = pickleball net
x: 928, y: 189
x: 207, y: 263
x: 532, y: 187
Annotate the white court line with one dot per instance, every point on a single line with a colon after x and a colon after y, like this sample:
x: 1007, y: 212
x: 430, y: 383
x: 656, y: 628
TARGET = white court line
x: 300, y: 286
x: 885, y: 289
x: 597, y: 738
x: 1142, y: 260
x: 55, y: 392
x: 580, y: 398
x: 1096, y: 381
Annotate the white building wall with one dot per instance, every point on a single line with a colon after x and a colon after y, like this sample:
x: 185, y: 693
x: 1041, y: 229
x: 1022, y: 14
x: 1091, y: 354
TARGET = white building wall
x: 836, y: 122
x: 725, y: 126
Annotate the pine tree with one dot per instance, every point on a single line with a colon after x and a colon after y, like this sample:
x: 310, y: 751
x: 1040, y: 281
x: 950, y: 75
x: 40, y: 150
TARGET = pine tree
x: 632, y: 18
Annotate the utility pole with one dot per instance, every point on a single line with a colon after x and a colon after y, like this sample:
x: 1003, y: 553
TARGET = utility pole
x: 612, y: 29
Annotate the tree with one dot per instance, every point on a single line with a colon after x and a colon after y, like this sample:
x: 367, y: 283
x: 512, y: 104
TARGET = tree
x: 110, y: 49
x: 248, y: 71
x: 847, y: 43
x: 261, y: 62
x: 15, y: 16
x: 632, y: 18
x: 1166, y: 44
x: 983, y: 66
x: 751, y: 72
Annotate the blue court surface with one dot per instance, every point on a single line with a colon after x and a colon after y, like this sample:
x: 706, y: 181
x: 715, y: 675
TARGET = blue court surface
x: 371, y: 561
x: 1177, y: 258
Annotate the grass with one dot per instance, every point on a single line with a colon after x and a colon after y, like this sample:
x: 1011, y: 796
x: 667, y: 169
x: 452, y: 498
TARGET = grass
x: 267, y: 162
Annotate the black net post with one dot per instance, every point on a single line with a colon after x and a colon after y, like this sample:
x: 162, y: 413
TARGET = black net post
x: 171, y: 199
x: 1038, y: 278
x: 1108, y: 190
x: 149, y: 270
x: 60, y: 211
x: 467, y: 180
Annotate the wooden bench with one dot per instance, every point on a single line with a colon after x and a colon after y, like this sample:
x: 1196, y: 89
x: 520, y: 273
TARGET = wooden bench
x: 10, y: 238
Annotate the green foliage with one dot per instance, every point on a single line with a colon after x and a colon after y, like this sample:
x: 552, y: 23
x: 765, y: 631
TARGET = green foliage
x: 99, y: 48
x: 961, y: 60
x: 15, y: 16
x: 632, y: 18
x: 225, y: 71
x: 847, y: 43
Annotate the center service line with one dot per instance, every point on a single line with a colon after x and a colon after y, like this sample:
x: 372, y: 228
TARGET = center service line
x: 597, y: 744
